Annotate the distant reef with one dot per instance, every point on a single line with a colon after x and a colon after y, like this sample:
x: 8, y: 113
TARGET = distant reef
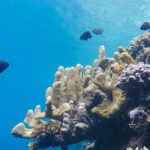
x: 107, y: 104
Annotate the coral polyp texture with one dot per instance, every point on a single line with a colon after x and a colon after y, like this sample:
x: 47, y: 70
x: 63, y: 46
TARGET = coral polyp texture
x: 140, y: 48
x: 106, y: 103
x: 135, y: 76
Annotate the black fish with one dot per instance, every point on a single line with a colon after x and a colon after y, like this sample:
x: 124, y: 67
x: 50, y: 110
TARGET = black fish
x: 98, y: 31
x: 86, y: 35
x: 145, y: 26
x: 3, y: 65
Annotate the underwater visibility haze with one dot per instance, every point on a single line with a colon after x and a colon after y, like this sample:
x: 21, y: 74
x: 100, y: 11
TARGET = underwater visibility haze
x: 38, y: 36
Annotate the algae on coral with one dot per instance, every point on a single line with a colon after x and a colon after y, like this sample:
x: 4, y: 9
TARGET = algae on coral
x: 89, y: 106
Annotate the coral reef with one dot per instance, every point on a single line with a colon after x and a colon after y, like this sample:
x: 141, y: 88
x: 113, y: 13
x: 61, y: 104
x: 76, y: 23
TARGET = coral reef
x: 125, y: 57
x: 140, y: 48
x: 104, y: 104
x: 121, y: 49
x: 134, y: 77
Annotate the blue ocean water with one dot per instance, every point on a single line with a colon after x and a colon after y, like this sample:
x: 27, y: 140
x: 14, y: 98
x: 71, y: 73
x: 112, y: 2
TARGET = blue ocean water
x: 37, y: 36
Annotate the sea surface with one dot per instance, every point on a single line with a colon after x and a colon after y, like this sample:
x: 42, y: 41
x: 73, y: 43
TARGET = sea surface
x: 38, y: 36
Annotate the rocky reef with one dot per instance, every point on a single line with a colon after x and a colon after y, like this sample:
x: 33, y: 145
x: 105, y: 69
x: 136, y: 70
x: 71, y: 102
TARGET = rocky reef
x: 104, y: 104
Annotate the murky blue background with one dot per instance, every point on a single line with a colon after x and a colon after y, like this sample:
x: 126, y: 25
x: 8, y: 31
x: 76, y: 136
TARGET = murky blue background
x: 37, y: 36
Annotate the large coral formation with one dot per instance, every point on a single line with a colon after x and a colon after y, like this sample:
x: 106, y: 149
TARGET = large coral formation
x: 97, y: 105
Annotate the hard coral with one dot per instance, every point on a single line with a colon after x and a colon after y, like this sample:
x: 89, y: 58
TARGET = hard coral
x: 121, y: 49
x: 116, y: 68
x: 140, y: 47
x: 106, y: 104
x: 126, y: 58
x: 135, y: 76
x: 108, y: 108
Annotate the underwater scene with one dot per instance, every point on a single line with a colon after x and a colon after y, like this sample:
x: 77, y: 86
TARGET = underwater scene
x: 75, y: 75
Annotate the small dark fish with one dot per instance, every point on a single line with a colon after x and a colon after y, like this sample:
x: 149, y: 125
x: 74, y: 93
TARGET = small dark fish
x: 145, y: 26
x: 86, y: 35
x: 98, y: 31
x: 3, y: 65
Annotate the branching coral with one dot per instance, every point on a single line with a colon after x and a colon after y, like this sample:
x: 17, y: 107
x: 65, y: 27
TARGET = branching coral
x: 95, y: 105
